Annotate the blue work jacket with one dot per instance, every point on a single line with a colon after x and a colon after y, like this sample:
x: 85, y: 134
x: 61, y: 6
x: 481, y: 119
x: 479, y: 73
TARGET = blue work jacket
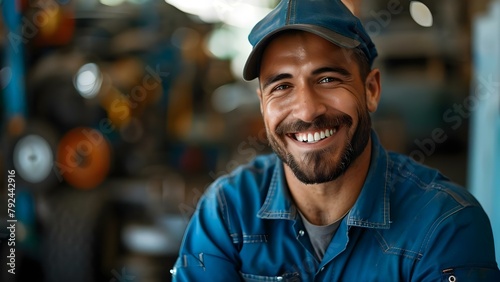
x: 409, y: 223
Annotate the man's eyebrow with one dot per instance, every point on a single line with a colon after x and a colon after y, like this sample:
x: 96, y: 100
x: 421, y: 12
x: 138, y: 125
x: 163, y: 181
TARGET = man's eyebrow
x: 340, y: 70
x: 272, y: 79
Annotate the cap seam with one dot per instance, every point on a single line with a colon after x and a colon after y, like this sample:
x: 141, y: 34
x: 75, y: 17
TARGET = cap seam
x: 289, y: 11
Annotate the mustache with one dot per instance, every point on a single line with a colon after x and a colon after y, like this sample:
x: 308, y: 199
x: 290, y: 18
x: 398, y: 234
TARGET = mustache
x: 320, y: 122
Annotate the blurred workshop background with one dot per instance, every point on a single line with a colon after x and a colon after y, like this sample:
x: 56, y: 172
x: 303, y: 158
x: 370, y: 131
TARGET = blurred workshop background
x: 117, y: 114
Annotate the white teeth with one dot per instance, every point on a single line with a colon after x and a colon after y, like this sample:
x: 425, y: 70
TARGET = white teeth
x: 317, y: 136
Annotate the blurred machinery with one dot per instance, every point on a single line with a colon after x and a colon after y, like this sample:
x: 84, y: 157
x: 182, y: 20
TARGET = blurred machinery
x: 107, y: 122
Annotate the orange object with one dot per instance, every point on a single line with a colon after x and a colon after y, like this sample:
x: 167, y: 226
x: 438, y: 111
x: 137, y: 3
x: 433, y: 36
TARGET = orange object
x: 83, y: 157
x: 51, y: 23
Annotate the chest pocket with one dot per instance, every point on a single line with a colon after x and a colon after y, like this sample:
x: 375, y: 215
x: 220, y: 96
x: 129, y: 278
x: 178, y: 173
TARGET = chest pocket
x: 288, y: 277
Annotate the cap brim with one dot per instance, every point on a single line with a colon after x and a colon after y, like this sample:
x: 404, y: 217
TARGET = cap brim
x: 252, y: 66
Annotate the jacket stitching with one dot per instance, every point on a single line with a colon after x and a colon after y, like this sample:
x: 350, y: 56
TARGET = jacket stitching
x: 435, y: 226
x: 399, y: 251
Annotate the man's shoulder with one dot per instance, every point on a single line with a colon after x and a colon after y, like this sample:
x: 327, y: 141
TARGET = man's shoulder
x: 431, y: 215
x: 409, y: 177
x: 423, y: 201
x: 247, y: 182
x: 258, y: 170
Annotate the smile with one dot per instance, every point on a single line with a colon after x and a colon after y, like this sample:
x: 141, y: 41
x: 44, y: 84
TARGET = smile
x: 314, y: 137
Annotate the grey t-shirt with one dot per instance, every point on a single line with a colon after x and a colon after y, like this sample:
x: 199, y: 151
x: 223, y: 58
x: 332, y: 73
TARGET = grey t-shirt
x: 320, y: 235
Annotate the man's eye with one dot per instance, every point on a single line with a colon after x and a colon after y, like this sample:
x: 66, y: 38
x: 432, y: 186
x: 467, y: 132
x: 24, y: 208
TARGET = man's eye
x: 280, y: 87
x: 328, y: 79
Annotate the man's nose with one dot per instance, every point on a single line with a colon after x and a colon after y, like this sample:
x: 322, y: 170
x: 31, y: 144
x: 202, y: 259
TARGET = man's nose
x: 308, y: 104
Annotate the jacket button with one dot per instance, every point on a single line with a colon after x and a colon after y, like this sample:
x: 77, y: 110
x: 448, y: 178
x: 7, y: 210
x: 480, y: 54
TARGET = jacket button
x: 301, y: 232
x: 452, y: 278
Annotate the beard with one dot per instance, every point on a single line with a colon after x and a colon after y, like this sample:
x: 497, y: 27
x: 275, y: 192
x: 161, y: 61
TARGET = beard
x: 321, y: 166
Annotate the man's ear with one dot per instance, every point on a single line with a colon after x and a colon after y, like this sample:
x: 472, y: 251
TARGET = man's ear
x: 373, y: 89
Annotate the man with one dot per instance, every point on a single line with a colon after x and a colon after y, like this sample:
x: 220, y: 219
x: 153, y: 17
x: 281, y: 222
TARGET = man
x: 331, y: 204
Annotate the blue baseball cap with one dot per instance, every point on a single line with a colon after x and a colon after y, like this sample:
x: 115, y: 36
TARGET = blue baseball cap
x: 330, y: 19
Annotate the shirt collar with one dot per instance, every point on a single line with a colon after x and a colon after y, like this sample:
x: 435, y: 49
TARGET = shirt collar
x: 371, y: 209
x: 278, y: 203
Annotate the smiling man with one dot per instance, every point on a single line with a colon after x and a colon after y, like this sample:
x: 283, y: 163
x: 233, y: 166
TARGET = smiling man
x: 331, y: 204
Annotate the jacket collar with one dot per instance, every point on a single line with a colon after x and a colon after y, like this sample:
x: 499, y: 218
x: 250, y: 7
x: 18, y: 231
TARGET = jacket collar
x: 371, y: 209
x: 278, y: 203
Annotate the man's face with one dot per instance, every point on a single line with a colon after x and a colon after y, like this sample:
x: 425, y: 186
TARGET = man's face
x: 314, y: 105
